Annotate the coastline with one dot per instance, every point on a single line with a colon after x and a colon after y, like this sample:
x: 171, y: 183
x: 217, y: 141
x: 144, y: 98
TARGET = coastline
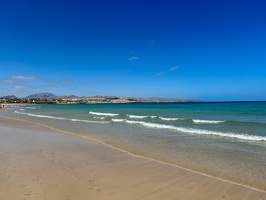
x: 41, y: 163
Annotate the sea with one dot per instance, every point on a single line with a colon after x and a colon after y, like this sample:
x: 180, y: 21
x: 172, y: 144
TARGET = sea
x: 225, y: 140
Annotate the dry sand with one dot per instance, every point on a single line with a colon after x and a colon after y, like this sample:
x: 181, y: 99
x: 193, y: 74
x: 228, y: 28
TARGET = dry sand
x: 38, y: 163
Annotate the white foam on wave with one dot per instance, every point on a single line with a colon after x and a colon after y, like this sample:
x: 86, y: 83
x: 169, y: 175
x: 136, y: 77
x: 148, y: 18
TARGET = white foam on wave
x: 99, y: 117
x: 198, y: 131
x: 60, y: 118
x: 88, y: 121
x: 199, y: 121
x: 137, y: 116
x: 103, y: 114
x: 169, y: 119
x: 163, y: 126
x: 118, y: 120
x: 22, y: 109
x: 41, y: 116
x: 153, y: 117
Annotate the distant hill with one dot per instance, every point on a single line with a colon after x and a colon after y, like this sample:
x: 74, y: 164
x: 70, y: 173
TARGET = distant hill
x: 94, y: 99
x: 48, y: 95
x: 41, y: 95
x: 9, y: 97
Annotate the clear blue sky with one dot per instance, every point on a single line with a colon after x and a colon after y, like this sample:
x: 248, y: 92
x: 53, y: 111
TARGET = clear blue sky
x: 205, y: 50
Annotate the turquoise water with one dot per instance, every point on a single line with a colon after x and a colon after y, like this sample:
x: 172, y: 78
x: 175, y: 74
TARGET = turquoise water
x: 225, y: 140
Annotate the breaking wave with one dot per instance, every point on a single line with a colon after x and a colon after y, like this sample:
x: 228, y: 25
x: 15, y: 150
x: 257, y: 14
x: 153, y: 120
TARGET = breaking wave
x: 41, y: 116
x: 195, y: 131
x: 199, y: 121
x: 169, y: 119
x: 103, y: 114
x: 118, y: 120
x: 99, y: 117
x: 136, y: 116
x: 88, y: 121
x: 60, y: 118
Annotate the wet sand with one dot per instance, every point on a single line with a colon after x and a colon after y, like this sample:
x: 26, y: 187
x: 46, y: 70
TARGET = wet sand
x: 39, y: 163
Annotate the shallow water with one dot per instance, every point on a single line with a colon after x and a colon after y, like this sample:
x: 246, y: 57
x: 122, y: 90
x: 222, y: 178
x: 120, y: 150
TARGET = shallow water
x: 225, y: 140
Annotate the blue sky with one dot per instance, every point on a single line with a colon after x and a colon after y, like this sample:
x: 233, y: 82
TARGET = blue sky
x: 203, y: 50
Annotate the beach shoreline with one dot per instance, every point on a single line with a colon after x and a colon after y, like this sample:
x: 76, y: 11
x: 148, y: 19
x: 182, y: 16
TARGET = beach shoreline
x: 52, y: 165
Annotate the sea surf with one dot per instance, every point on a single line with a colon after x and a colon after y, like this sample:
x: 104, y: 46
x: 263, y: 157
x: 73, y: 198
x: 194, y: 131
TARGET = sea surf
x: 224, y: 140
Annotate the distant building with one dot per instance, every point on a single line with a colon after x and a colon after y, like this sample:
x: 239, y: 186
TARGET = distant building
x: 2, y: 100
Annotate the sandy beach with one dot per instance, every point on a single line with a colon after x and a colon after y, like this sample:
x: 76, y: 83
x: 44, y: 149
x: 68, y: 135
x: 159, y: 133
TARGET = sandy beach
x: 39, y: 163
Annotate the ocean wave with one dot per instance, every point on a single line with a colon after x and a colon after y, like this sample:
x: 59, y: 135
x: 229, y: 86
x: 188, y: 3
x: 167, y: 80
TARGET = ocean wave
x: 153, y: 117
x: 169, y: 119
x: 137, y: 116
x: 99, y: 117
x: 40, y: 116
x: 88, y: 121
x: 198, y: 131
x: 118, y: 120
x: 60, y: 118
x: 199, y: 121
x: 22, y: 109
x: 103, y: 114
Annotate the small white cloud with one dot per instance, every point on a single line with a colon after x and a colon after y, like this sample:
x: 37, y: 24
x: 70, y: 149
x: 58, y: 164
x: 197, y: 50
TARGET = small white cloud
x: 7, y: 81
x: 133, y: 58
x: 24, y: 77
x: 173, y: 68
